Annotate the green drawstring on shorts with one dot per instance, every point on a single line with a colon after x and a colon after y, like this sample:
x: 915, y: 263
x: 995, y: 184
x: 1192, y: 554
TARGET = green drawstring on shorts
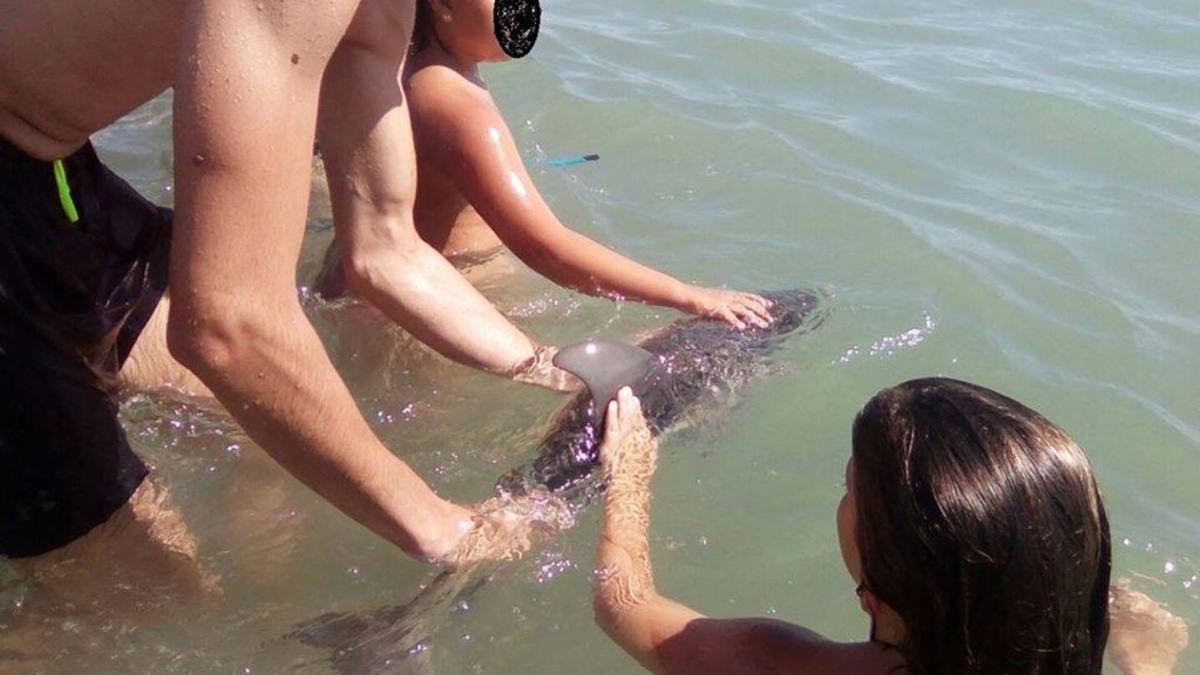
x: 64, y: 191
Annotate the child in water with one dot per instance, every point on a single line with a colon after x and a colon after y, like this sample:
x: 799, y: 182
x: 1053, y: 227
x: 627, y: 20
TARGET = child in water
x: 475, y: 197
x: 971, y: 526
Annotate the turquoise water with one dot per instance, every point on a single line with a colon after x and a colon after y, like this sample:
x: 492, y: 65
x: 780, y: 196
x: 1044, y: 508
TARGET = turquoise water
x: 1007, y: 193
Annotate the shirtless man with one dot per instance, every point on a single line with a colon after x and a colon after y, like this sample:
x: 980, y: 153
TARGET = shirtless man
x: 84, y: 259
x: 475, y: 196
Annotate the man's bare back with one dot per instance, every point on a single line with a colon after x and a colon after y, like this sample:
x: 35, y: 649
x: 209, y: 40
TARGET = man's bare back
x: 102, y: 60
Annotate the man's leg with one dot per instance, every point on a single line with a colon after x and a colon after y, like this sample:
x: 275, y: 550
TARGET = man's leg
x: 138, y: 567
x: 78, y: 516
x: 143, y: 551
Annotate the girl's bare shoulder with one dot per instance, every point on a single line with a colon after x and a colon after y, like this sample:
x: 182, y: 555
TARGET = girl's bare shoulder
x: 787, y: 648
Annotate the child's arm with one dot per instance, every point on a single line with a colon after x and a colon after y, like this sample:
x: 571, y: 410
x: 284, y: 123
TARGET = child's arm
x: 465, y: 134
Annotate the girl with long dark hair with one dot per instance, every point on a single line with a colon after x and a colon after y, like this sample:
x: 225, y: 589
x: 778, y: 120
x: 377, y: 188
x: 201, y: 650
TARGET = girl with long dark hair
x: 971, y: 526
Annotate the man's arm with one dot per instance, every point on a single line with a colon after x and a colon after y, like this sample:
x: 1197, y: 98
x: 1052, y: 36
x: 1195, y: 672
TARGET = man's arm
x: 468, y: 139
x: 245, y: 111
x: 368, y: 153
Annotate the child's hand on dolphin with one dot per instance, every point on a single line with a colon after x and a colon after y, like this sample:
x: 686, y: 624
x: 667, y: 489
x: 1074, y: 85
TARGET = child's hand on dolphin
x: 736, y: 308
x: 628, y: 450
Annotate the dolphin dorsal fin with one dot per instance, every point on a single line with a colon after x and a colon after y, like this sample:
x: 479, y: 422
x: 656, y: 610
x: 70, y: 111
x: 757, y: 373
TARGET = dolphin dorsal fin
x: 605, y: 366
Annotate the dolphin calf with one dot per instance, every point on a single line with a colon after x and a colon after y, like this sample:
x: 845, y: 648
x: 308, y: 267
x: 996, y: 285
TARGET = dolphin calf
x: 679, y: 372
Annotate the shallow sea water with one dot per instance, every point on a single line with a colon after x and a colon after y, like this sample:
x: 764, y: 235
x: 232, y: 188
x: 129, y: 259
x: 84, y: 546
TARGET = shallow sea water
x: 1007, y: 193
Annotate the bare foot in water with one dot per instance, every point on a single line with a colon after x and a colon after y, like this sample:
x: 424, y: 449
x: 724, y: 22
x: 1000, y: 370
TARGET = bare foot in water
x: 1144, y: 638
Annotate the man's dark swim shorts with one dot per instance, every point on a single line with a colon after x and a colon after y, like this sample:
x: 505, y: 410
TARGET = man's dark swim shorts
x: 83, y: 263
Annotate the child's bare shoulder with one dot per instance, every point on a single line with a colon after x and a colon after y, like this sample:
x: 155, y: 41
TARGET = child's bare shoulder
x: 442, y: 97
x: 440, y: 88
x: 433, y: 76
x: 430, y: 79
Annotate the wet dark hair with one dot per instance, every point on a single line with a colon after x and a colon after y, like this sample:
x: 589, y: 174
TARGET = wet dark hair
x: 981, y: 525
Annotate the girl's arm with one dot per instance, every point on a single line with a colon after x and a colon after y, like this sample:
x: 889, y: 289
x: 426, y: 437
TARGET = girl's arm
x: 663, y: 635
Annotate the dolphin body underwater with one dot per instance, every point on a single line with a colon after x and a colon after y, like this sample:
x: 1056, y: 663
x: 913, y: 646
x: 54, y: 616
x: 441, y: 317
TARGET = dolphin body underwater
x: 686, y: 368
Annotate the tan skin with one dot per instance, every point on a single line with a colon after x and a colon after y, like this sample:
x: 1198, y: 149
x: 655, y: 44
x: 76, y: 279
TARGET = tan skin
x: 249, y: 78
x: 1145, y: 639
x: 475, y: 194
x: 670, y: 638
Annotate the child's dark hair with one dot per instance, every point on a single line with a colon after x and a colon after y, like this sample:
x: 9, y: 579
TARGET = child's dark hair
x: 422, y: 26
x: 981, y: 525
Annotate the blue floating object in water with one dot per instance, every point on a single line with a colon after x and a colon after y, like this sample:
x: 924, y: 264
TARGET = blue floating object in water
x: 572, y: 161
